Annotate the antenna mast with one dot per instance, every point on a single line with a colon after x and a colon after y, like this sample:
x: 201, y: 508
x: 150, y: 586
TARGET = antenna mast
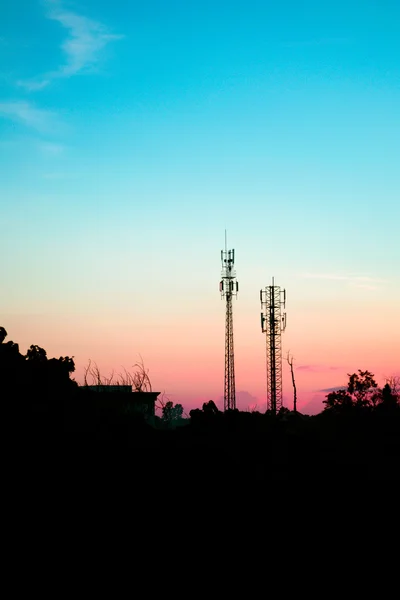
x: 229, y: 287
x: 273, y: 323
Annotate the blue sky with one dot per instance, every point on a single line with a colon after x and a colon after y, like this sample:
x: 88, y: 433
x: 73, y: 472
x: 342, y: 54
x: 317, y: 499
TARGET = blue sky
x: 132, y: 134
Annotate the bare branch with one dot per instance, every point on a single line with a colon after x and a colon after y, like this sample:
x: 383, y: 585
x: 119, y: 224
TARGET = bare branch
x: 141, y: 380
x: 162, y: 400
x: 290, y: 362
x: 96, y: 375
x: 108, y: 380
x: 86, y: 370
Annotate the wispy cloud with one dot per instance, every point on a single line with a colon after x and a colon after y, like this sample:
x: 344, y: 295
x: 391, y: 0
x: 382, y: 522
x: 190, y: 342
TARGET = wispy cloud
x: 82, y: 47
x: 363, y: 286
x: 359, y: 281
x: 51, y: 148
x: 85, y: 40
x: 43, y: 121
x: 56, y: 176
x: 316, y: 368
x: 328, y: 41
x: 32, y: 85
x: 340, y: 277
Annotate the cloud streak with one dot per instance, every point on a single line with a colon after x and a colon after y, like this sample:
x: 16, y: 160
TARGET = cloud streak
x: 51, y: 148
x: 82, y: 47
x: 86, y: 38
x: 341, y: 277
x: 32, y: 85
x: 41, y: 120
x: 358, y: 281
x: 316, y: 368
x: 333, y: 41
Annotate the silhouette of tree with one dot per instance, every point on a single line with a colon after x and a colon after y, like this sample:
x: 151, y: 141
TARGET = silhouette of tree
x: 362, y: 391
x: 210, y: 408
x: 195, y: 414
x: 337, y: 400
x: 37, y: 354
x: 8, y: 347
x: 394, y: 383
x: 172, y: 414
x: 11, y: 365
x: 361, y: 386
x: 388, y: 399
x: 283, y: 412
x: 33, y: 375
x: 209, y: 414
x: 67, y: 363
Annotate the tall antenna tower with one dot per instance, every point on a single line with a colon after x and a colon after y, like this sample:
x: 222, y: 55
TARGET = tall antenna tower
x: 229, y: 287
x: 273, y: 323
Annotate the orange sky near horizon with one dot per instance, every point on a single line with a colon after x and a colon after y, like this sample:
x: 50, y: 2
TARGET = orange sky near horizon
x: 187, y: 363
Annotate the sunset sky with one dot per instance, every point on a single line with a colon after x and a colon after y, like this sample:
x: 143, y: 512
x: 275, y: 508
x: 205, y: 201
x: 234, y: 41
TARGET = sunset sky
x: 132, y: 134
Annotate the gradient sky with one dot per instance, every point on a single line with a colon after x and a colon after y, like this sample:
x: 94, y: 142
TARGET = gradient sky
x: 133, y: 133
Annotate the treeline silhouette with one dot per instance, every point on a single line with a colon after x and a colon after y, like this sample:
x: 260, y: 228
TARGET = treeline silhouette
x: 356, y: 438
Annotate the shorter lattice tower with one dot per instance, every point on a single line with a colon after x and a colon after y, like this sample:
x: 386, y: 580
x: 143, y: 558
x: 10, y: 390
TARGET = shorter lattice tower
x: 273, y: 323
x: 229, y: 287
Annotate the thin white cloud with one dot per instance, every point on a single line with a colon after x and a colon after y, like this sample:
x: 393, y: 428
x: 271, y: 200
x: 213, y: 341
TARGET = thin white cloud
x: 333, y: 41
x: 316, y: 368
x: 43, y: 121
x: 353, y: 279
x: 54, y: 176
x: 82, y: 47
x: 32, y: 85
x: 363, y: 286
x: 51, y: 148
x: 85, y: 40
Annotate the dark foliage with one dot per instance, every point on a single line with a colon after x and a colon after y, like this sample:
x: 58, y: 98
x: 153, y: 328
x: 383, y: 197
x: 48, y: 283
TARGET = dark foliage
x: 353, y: 441
x: 362, y: 394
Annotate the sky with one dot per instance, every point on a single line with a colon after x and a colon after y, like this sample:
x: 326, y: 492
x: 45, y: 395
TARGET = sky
x: 133, y: 134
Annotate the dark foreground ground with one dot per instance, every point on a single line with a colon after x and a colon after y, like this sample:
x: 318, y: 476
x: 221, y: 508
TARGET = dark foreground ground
x: 100, y: 475
x: 238, y: 453
x: 229, y: 459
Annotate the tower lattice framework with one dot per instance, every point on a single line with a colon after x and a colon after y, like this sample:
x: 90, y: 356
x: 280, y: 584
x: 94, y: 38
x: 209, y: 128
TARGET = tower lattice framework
x: 229, y: 288
x: 273, y: 323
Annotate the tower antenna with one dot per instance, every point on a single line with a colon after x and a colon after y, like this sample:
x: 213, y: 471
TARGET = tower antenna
x: 273, y: 323
x: 229, y: 287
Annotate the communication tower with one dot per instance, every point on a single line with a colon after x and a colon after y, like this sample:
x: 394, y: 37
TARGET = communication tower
x: 229, y: 287
x: 273, y: 323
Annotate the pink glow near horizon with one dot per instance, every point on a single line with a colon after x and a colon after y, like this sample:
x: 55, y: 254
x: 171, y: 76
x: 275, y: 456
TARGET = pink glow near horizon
x: 187, y: 363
